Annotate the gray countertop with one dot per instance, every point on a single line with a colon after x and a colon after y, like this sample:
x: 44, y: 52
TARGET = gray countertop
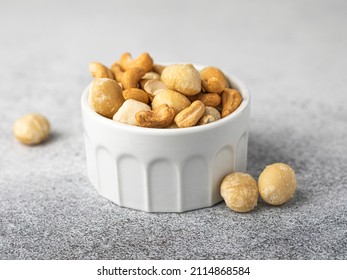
x: 292, y: 56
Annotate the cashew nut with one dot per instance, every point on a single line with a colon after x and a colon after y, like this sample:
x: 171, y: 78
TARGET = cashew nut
x: 160, y: 117
x: 99, y: 70
x: 117, y: 71
x: 213, y: 79
x: 143, y: 61
x: 191, y: 115
x: 213, y: 112
x: 231, y: 100
x: 206, y: 119
x: 131, y: 77
x: 210, y: 115
x: 183, y: 78
x: 126, y: 113
x: 136, y: 94
x: 210, y: 99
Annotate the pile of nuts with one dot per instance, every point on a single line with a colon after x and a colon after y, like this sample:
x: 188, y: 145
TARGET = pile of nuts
x: 276, y: 186
x: 141, y: 93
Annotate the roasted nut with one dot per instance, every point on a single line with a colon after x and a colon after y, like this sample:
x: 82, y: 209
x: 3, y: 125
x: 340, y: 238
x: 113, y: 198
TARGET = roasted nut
x: 177, y: 85
x: 143, y: 61
x: 161, y: 117
x: 231, y: 100
x: 99, y: 70
x: 183, y: 78
x: 190, y: 115
x: 150, y: 86
x: 31, y: 129
x: 117, y: 71
x: 240, y: 192
x: 131, y: 77
x: 172, y: 98
x: 206, y: 119
x: 277, y: 183
x: 151, y: 76
x: 126, y: 113
x: 136, y: 94
x: 213, y: 79
x: 158, y: 68
x: 212, y: 112
x: 105, y: 97
x: 210, y: 99
x: 210, y: 115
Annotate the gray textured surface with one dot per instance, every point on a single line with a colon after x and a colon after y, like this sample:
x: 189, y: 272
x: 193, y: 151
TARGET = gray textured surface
x: 291, y: 54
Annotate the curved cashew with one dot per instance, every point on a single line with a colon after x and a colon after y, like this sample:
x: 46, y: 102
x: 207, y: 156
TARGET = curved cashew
x: 213, y: 79
x: 144, y: 61
x: 213, y: 112
x: 160, y: 117
x: 206, y: 119
x: 117, y: 71
x: 210, y: 115
x: 210, y: 99
x: 99, y: 70
x: 136, y: 94
x: 231, y: 100
x: 131, y: 77
x: 191, y: 115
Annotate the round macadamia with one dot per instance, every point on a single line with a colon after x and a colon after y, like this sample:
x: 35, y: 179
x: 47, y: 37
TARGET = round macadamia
x: 277, y: 183
x: 183, y: 78
x: 31, y: 129
x: 240, y: 192
x: 172, y: 98
x: 105, y: 97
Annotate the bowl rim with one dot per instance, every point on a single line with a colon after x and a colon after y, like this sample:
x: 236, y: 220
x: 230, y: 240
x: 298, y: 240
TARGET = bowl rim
x: 233, y: 80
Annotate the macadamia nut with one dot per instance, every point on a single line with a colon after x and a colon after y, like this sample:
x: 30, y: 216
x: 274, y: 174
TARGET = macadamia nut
x: 127, y: 112
x: 277, y: 183
x: 183, y: 78
x: 240, y: 192
x: 31, y: 129
x: 105, y: 97
x: 172, y: 98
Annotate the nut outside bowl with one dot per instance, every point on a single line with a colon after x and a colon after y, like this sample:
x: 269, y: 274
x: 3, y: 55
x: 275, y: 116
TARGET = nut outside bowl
x: 165, y: 170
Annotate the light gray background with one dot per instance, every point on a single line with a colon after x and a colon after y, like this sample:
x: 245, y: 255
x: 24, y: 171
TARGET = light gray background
x: 292, y: 56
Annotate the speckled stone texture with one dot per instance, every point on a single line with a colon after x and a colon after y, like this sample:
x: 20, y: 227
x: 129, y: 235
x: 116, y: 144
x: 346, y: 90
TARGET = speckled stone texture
x: 292, y: 56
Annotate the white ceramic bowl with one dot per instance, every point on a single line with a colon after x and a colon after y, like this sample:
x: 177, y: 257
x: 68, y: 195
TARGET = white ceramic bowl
x: 165, y: 170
